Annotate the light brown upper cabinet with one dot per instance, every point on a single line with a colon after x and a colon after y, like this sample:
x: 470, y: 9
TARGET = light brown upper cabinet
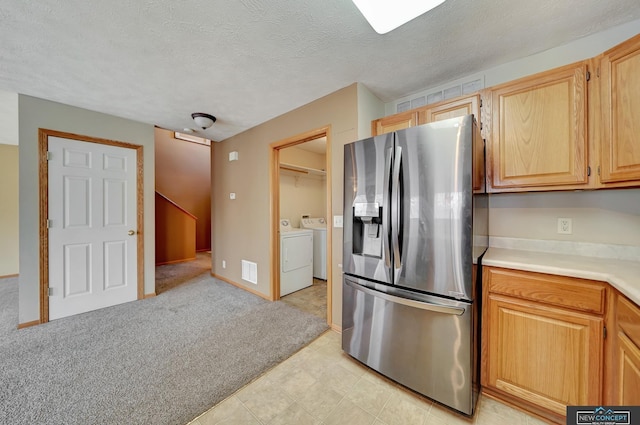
x: 451, y: 109
x: 538, y: 137
x: 394, y: 122
x: 460, y: 107
x: 620, y: 97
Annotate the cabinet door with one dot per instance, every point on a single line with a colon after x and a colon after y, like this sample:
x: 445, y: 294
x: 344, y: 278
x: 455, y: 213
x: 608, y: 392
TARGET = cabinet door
x: 546, y: 356
x: 620, y: 84
x: 394, y: 122
x: 628, y: 376
x: 454, y: 108
x: 538, y: 137
x: 451, y: 109
x: 626, y: 382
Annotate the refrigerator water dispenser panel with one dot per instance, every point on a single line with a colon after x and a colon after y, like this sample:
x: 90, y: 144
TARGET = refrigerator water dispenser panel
x: 367, y: 223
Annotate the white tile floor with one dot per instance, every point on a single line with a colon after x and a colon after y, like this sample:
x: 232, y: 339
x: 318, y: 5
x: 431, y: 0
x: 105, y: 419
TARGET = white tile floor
x: 322, y: 385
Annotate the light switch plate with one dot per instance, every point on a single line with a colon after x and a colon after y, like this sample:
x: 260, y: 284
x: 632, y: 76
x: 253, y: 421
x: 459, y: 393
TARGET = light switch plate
x: 232, y: 195
x: 337, y: 221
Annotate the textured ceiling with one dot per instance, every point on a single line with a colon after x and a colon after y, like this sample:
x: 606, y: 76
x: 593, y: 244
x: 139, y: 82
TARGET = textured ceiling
x: 247, y: 61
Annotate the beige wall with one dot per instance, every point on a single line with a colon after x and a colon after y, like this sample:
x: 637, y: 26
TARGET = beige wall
x: 302, y: 193
x: 241, y: 226
x: 183, y: 174
x: 304, y: 158
x: 37, y: 113
x: 8, y: 210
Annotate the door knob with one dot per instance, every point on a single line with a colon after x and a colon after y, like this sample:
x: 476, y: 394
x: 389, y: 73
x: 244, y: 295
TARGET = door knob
x: 131, y: 232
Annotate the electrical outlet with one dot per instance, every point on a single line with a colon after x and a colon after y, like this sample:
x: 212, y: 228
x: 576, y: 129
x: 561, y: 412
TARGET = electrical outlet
x: 224, y: 264
x: 564, y: 226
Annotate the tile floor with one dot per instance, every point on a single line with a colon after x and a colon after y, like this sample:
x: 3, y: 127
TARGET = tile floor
x: 322, y: 385
x: 312, y: 299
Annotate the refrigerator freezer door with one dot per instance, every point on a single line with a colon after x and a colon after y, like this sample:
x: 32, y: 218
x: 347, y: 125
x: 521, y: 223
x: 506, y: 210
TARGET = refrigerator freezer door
x: 434, y: 215
x: 426, y: 344
x: 367, y: 175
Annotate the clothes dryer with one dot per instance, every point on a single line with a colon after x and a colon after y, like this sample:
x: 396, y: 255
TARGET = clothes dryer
x: 296, y: 258
x: 319, y: 227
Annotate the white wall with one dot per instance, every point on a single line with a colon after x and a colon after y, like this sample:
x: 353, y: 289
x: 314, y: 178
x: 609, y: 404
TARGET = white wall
x: 38, y: 113
x: 584, y: 48
x: 8, y: 118
x: 369, y: 109
x: 598, y: 216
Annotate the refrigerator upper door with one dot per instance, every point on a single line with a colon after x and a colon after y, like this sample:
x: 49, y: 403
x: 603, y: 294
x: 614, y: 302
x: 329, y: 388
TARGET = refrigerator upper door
x: 367, y: 176
x: 433, y: 213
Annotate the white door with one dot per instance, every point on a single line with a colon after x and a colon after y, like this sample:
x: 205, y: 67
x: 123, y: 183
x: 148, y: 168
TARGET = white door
x: 92, y: 227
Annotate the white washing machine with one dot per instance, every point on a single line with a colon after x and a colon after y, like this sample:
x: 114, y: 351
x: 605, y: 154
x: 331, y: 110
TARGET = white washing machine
x: 319, y: 227
x: 296, y: 258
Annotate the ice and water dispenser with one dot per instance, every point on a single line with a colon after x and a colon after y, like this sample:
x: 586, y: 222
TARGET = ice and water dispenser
x: 367, y: 229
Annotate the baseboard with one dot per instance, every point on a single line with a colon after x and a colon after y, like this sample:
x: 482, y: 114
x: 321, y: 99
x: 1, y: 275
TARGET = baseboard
x: 336, y: 328
x: 230, y: 282
x: 183, y: 260
x: 151, y: 295
x: 203, y: 250
x: 28, y: 324
x: 9, y: 275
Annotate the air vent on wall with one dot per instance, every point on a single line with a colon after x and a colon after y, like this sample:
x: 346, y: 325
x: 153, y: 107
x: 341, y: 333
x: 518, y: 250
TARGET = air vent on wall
x: 447, y: 93
x: 250, y: 271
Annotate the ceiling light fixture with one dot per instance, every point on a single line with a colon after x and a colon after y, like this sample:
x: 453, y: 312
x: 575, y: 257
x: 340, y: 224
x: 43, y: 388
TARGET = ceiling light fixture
x: 203, y: 120
x: 387, y: 15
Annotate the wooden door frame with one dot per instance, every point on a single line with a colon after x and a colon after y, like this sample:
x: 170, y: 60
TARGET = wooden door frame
x: 43, y: 147
x: 274, y: 191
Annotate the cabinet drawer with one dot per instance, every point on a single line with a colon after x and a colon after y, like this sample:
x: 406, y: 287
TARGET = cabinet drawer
x: 562, y: 291
x: 628, y: 315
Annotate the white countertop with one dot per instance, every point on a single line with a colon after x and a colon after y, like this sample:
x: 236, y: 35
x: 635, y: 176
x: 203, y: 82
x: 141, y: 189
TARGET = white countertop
x: 624, y: 275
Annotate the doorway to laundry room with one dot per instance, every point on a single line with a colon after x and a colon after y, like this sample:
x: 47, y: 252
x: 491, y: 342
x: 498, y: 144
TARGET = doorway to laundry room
x: 302, y: 266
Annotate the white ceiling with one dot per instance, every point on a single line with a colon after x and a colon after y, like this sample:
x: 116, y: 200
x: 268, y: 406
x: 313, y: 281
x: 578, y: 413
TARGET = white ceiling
x: 247, y: 61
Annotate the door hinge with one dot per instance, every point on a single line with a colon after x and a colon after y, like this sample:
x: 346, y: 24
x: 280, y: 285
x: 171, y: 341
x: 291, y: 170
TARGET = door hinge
x: 49, y: 224
x: 49, y: 155
x: 50, y: 292
x: 588, y: 75
x: 604, y: 332
x: 481, y: 102
x: 598, y: 170
x: 598, y: 72
x: 588, y: 170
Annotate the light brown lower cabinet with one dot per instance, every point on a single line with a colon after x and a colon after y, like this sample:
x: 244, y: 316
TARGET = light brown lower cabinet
x: 625, y: 382
x: 542, y: 340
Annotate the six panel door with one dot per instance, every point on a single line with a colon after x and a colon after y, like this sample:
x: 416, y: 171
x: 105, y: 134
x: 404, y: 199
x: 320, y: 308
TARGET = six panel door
x: 92, y: 227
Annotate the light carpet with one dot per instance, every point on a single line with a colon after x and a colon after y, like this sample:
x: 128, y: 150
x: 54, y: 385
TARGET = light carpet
x: 163, y: 360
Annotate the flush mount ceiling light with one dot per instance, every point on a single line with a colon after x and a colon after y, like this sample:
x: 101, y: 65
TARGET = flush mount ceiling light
x: 203, y: 120
x: 387, y: 15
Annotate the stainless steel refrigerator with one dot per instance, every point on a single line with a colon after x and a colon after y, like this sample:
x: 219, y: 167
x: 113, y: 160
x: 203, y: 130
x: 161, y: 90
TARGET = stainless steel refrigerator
x: 414, y: 225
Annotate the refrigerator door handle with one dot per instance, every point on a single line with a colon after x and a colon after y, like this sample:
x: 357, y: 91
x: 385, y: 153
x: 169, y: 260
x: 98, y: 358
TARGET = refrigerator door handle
x: 423, y: 305
x: 395, y: 208
x: 385, y: 202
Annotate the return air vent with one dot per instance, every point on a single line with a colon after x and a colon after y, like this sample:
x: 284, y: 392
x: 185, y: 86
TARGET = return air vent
x: 250, y: 272
x: 437, y: 96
